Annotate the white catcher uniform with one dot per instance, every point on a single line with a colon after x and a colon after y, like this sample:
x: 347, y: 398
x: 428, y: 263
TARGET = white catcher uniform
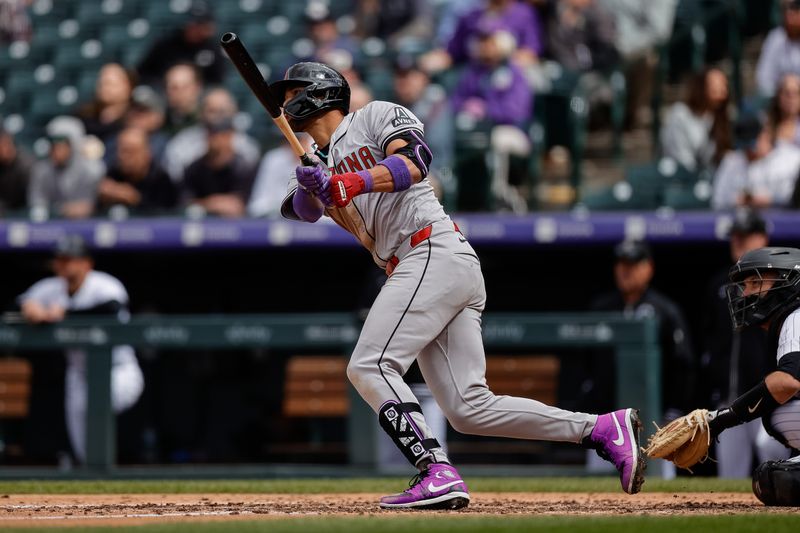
x: 127, y: 381
x: 784, y: 422
x: 429, y: 308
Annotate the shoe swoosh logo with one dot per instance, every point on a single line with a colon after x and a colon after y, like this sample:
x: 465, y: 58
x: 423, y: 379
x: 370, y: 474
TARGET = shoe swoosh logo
x: 752, y: 410
x: 435, y: 488
x: 620, y: 440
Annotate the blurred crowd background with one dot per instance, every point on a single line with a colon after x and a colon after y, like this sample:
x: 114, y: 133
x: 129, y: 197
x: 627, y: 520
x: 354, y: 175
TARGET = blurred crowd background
x: 111, y: 109
x: 112, y: 106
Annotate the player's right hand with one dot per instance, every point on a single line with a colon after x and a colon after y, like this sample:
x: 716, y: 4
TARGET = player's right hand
x: 315, y: 181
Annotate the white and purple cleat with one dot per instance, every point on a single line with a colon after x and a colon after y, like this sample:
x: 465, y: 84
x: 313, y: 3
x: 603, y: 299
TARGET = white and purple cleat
x: 616, y: 436
x: 437, y: 487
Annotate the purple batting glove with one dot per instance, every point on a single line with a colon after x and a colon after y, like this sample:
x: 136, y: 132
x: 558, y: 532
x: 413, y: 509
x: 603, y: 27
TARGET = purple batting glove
x: 312, y: 179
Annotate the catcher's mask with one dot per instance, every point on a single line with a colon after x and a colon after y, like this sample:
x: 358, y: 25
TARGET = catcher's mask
x: 324, y: 88
x: 781, y: 266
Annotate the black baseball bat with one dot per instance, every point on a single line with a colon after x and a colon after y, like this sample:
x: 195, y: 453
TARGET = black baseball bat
x: 247, y: 68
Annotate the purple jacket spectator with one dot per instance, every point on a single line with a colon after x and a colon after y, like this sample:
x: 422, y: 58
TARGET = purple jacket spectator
x: 519, y: 19
x: 504, y: 90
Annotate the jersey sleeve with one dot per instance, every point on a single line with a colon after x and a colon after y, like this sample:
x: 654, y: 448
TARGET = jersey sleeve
x: 287, y: 210
x: 789, y: 340
x: 41, y: 292
x: 386, y: 120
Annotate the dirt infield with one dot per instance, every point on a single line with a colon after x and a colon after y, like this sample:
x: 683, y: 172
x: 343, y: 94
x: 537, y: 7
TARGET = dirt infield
x: 65, y: 510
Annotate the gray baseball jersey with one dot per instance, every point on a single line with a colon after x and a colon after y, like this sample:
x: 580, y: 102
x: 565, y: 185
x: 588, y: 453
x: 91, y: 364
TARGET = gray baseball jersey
x: 380, y: 221
x: 430, y: 307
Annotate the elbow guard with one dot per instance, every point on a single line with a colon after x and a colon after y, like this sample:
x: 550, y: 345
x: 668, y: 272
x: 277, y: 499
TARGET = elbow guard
x: 416, y: 150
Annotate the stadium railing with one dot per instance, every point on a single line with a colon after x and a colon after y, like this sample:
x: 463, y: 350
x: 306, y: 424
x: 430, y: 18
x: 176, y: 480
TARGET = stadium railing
x: 634, y: 341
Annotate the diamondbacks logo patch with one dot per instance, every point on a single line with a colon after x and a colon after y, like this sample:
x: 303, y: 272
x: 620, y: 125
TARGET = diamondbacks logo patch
x: 401, y: 118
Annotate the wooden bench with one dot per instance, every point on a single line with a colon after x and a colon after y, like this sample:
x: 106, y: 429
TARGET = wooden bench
x: 316, y: 386
x: 529, y: 376
x: 15, y: 387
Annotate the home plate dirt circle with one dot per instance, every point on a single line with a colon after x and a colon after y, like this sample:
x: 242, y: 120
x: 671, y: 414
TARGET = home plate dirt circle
x: 129, y: 509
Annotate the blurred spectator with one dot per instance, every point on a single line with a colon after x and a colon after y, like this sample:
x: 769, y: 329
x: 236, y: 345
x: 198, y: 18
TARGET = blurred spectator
x: 191, y: 143
x: 195, y: 43
x: 413, y: 89
x: 581, y: 36
x: 733, y: 362
x: 322, y: 30
x: 697, y: 132
x: 183, y: 88
x: 360, y: 95
x: 342, y: 60
x: 759, y: 173
x: 494, y: 90
x: 396, y: 21
x: 641, y: 26
x: 784, y: 111
x: 518, y: 19
x: 147, y: 113
x: 450, y: 12
x: 633, y: 272
x: 221, y: 179
x: 104, y: 116
x: 15, y: 25
x: 65, y: 183
x: 780, y: 53
x: 15, y: 173
x: 269, y: 187
x: 78, y: 289
x: 136, y: 180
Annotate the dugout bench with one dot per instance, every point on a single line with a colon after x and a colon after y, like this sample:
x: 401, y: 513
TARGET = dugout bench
x: 634, y: 341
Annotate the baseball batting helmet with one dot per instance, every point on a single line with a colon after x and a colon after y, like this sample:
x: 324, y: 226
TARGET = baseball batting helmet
x: 325, y: 88
x: 784, y: 295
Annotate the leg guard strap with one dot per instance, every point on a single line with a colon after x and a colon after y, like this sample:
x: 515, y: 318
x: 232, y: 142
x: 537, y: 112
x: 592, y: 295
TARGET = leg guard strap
x: 396, y: 421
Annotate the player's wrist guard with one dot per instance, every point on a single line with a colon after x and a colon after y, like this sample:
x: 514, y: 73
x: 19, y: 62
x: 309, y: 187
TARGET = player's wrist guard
x: 397, y: 168
x: 344, y: 187
x: 753, y: 404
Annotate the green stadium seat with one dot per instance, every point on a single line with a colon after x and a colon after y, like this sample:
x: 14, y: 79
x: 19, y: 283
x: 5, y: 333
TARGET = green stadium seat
x: 685, y: 197
x: 51, y: 10
x: 72, y: 57
x: 133, y: 53
x: 621, y: 196
x: 166, y: 14
x: 100, y: 13
x: 87, y: 80
x: 15, y: 57
x: 47, y: 104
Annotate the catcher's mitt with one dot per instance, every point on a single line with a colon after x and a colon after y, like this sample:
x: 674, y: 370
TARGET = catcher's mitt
x: 684, y: 441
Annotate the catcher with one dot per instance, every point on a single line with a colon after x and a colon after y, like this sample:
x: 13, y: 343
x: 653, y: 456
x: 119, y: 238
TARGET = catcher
x: 764, y: 292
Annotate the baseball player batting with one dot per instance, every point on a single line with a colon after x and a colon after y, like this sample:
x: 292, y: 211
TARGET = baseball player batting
x: 372, y: 182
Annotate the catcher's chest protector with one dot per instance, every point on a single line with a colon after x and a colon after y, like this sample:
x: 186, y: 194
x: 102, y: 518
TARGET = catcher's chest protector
x: 778, y: 483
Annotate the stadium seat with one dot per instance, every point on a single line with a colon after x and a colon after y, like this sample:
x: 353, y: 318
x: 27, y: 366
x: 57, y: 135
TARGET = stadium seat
x: 15, y: 57
x: 684, y: 197
x: 47, y: 104
x: 100, y: 13
x: 166, y: 15
x: 621, y: 196
x: 51, y: 10
x: 72, y: 57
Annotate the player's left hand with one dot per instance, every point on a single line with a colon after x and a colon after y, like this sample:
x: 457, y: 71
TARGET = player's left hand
x: 316, y: 182
x: 344, y: 187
